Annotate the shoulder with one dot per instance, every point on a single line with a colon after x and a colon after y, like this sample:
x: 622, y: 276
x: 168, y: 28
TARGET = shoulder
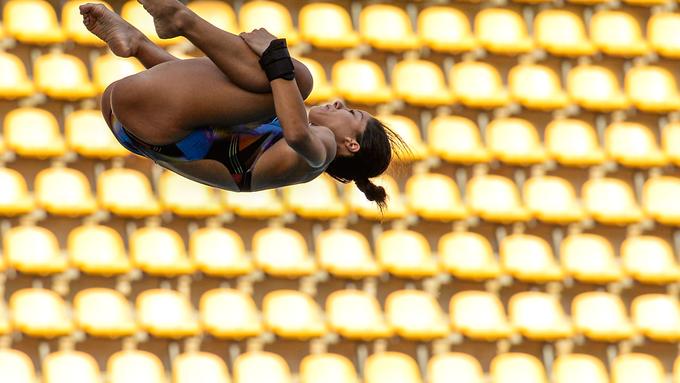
x: 327, y: 137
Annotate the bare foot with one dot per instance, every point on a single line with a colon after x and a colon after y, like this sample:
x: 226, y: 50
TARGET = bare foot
x: 166, y: 16
x: 121, y: 36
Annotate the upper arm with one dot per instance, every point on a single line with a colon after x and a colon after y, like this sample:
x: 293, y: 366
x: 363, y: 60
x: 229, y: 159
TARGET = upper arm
x: 317, y: 148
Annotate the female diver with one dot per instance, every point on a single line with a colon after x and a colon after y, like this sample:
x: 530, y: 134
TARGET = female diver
x: 219, y: 119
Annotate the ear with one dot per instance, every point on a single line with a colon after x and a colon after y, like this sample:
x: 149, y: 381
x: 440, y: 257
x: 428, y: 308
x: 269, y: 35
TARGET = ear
x: 352, y: 145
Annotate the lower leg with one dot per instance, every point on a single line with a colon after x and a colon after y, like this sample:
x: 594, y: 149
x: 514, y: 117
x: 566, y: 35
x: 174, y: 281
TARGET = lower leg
x: 123, y: 39
x: 226, y: 50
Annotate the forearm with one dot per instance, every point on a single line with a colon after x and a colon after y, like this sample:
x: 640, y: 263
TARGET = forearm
x: 290, y: 110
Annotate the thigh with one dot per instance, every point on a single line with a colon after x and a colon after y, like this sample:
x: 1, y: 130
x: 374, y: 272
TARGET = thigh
x: 163, y: 104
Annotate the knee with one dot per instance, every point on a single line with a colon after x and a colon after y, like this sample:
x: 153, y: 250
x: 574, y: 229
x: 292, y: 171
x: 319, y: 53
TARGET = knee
x: 304, y: 79
x: 106, y: 103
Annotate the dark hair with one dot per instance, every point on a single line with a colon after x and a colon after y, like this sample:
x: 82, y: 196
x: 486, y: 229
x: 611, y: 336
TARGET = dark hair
x: 377, y: 145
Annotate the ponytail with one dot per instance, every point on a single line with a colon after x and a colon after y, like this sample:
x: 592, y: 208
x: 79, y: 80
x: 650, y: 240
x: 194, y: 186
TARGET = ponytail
x: 373, y: 192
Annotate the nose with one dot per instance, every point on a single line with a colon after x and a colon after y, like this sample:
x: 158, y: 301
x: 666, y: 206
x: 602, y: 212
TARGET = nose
x: 338, y: 104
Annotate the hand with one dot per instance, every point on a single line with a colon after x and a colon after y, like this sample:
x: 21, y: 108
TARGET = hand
x: 258, y: 40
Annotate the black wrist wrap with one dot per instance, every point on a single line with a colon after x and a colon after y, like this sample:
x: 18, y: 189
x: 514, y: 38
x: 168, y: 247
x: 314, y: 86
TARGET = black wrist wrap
x: 276, y: 62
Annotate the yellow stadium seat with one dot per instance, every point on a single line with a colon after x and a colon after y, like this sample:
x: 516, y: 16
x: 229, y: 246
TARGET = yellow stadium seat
x: 327, y: 25
x: 159, y: 251
x: 70, y: 366
x: 282, y: 252
x: 562, y: 33
x: 637, y: 367
x: 355, y: 314
x: 467, y: 256
x: 573, y: 142
x: 316, y: 199
x: 198, y: 366
x: 517, y: 367
x: 126, y: 192
x: 405, y: 254
x: 445, y: 29
x: 219, y: 252
x: 270, y: 15
x: 601, y: 316
x: 442, y: 367
x: 552, y: 199
x: 62, y: 76
x: 479, y: 315
x: 478, y: 85
x: 33, y: 250
x: 229, y: 313
x: 33, y: 132
x: 261, y: 366
x: 217, y: 13
x: 649, y: 259
x: 186, y: 197
x: 135, y: 366
x: 166, y: 314
x: 134, y: 13
x: 652, y: 89
x: 589, y: 258
x: 72, y: 23
x: 327, y: 368
x: 396, y: 207
x: 611, y: 201
x: 322, y: 90
x: 633, y: 144
x: 293, y: 314
x: 536, y: 87
x: 360, y: 81
x: 595, y: 87
x: 39, y: 313
x: 32, y: 22
x: 14, y: 196
x: 529, y: 258
x: 16, y: 366
x: 416, y: 315
x: 456, y: 139
x: 409, y: 131
x: 658, y: 199
x: 657, y: 316
x: 88, y: 135
x: 502, y: 31
x: 660, y: 36
x: 495, y: 198
x: 391, y: 366
x: 387, y: 27
x: 570, y: 368
x: 260, y: 204
x: 103, y: 312
x: 435, y: 197
x: 646, y: 2
x: 670, y: 141
x: 98, y: 249
x: 64, y: 191
x: 421, y: 83
x: 14, y: 81
x: 617, y: 33
x: 109, y: 68
x: 514, y: 141
x: 539, y: 316
x: 345, y: 254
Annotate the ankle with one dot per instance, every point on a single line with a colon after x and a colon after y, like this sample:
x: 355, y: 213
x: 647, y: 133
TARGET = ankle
x: 184, y: 19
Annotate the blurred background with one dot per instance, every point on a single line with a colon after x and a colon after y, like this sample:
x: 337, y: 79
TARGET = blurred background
x: 530, y: 236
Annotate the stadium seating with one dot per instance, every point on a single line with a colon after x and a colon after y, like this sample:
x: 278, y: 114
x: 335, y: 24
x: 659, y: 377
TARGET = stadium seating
x: 282, y: 252
x: 391, y: 367
x: 421, y: 83
x: 317, y: 199
x: 502, y: 31
x: 435, y: 197
x: 387, y: 27
x: 633, y: 145
x: 652, y: 89
x: 261, y: 366
x: 270, y: 15
x: 345, y: 254
x: 468, y: 256
x: 357, y: 315
x: 595, y: 87
x: 39, y: 312
x: 478, y: 85
x: 32, y: 22
x: 657, y: 316
x: 628, y: 368
x: 33, y: 132
x: 579, y: 368
x: 109, y: 68
x: 601, y: 316
x: 201, y: 366
x: 479, y: 315
x: 663, y: 42
x: 16, y: 366
x: 514, y: 141
x: 165, y: 314
x: 573, y: 142
x: 617, y: 33
x: 658, y: 201
x: 64, y: 191
x: 562, y: 33
x: 70, y: 366
x: 409, y: 131
x: 321, y: 368
x: 361, y: 81
x: 103, y: 312
x: 134, y: 13
x: 14, y: 81
x: 670, y: 141
x: 517, y: 367
x: 589, y: 258
x: 529, y: 258
x: 552, y: 199
x: 217, y: 13
x: 88, y: 135
x: 464, y: 367
x: 327, y: 25
x: 611, y: 201
x: 445, y: 29
x: 72, y: 23
x: 649, y: 259
x: 457, y: 139
x: 126, y: 192
x: 539, y: 316
x: 536, y: 87
x: 62, y: 76
x: 159, y: 251
x: 229, y: 313
x: 405, y: 253
x: 187, y: 198
x: 495, y: 198
x: 33, y: 250
x: 135, y: 366
x: 219, y: 251
x: 323, y: 90
x: 416, y: 315
x: 98, y: 249
x: 292, y: 314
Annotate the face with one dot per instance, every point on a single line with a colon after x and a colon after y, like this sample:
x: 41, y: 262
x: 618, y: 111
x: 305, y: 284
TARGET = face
x: 347, y: 124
